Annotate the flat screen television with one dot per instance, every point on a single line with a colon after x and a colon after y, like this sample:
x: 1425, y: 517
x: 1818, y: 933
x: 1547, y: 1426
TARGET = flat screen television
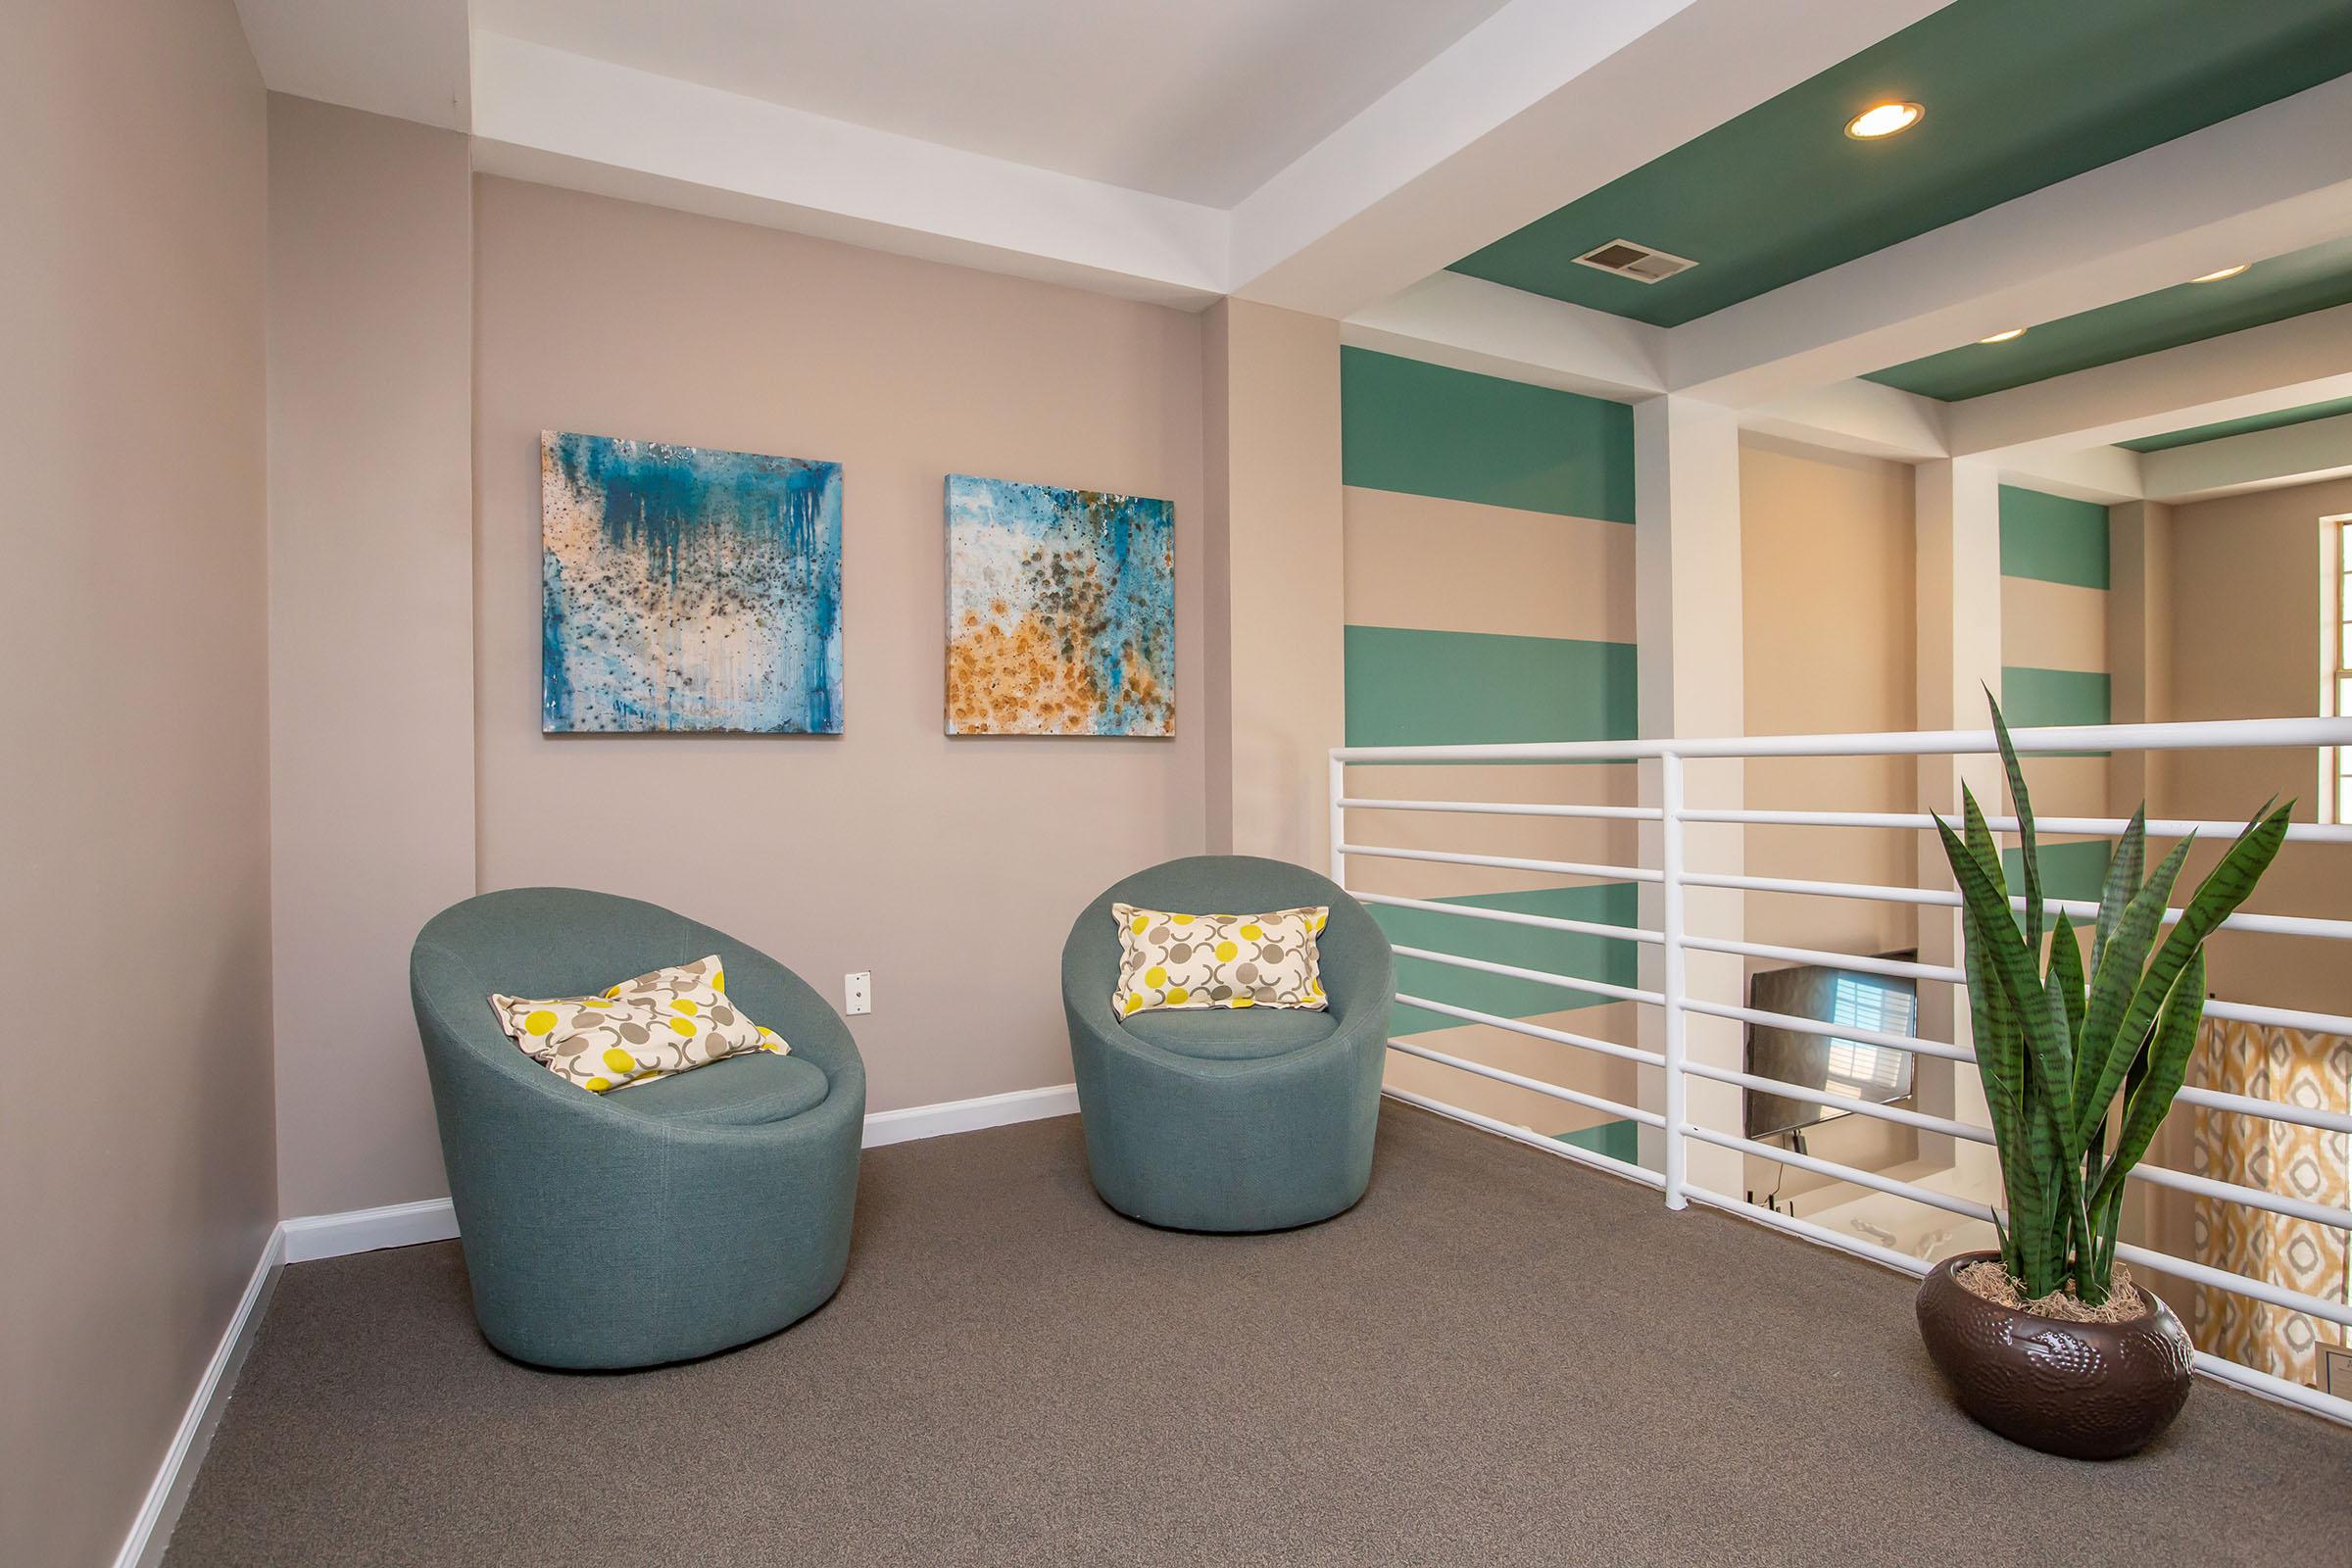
x: 1849, y: 1069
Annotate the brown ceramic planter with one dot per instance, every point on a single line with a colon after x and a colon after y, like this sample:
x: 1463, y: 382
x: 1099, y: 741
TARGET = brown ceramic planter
x: 2088, y: 1391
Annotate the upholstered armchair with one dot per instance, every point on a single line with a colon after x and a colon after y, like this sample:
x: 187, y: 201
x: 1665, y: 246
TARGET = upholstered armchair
x: 1218, y: 1119
x: 654, y: 1223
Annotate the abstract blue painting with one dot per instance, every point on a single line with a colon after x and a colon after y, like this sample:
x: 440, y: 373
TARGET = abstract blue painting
x: 1061, y: 610
x: 687, y: 589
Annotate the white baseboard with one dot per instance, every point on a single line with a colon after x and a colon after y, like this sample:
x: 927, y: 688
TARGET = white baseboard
x: 970, y: 1116
x: 365, y: 1229
x: 158, y: 1511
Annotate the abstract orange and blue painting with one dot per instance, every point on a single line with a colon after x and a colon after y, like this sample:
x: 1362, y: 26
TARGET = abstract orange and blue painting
x: 685, y: 588
x: 1061, y: 610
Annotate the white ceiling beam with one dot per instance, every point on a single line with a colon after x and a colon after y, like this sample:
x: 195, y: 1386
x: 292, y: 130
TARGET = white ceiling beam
x: 407, y: 60
x: 2260, y: 460
x: 1859, y: 416
x: 548, y: 115
x: 2271, y: 180
x: 1544, y: 101
x: 2282, y: 365
x: 1472, y: 324
x: 2108, y: 475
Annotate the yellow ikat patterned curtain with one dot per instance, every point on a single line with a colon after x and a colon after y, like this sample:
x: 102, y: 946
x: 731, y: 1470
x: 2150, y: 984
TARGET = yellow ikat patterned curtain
x: 2313, y: 1071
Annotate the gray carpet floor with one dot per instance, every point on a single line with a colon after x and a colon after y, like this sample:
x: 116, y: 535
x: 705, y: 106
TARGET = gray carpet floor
x: 1496, y: 1358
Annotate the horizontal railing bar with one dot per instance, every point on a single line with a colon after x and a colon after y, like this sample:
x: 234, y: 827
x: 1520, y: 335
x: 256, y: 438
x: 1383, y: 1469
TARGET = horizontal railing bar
x: 2223, y: 1279
x: 2157, y: 1175
x: 1860, y: 1108
x: 1598, y: 988
x: 2327, y: 1214
x: 1530, y: 1137
x: 1810, y: 1231
x: 2202, y: 1273
x: 1548, y: 922
x: 2286, y: 925
x: 2335, y: 1121
x: 2192, y: 735
x: 1613, y: 814
x: 2089, y: 826
x: 1519, y: 1026
x: 2227, y: 1371
x: 1506, y: 862
x: 2256, y: 1381
x: 1834, y: 1031
x: 1503, y: 1075
x: 1965, y: 1207
x: 1835, y: 961
x: 2317, y: 1023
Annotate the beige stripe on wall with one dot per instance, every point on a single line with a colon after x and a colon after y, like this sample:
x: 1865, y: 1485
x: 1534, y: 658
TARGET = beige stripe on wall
x: 1433, y: 564
x: 1608, y: 1077
x: 2053, y: 625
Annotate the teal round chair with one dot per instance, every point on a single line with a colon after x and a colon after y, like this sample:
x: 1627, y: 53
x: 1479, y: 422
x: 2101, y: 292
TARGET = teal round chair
x: 1230, y: 1119
x: 651, y: 1224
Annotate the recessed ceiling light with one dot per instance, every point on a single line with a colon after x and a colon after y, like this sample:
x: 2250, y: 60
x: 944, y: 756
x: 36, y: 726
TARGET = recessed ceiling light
x: 2216, y: 277
x: 2003, y: 338
x: 1883, y: 120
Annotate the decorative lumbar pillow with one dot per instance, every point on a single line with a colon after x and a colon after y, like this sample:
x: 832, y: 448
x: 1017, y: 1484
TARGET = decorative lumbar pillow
x: 656, y: 1025
x: 1218, y: 961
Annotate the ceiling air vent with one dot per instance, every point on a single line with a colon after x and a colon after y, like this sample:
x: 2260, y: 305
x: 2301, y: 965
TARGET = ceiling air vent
x: 1638, y: 262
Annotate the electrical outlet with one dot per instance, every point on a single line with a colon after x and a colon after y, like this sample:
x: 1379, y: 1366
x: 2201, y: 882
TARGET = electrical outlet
x: 857, y: 993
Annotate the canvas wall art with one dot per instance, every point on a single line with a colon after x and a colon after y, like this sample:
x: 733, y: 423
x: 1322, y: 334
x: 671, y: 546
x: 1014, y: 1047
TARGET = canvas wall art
x: 1061, y: 610
x: 687, y: 589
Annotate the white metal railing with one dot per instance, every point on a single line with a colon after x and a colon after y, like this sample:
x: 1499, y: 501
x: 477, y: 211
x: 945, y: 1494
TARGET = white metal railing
x: 1672, y: 1120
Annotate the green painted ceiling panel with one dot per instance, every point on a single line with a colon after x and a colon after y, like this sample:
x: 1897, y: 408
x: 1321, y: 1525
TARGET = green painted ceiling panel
x: 1569, y: 952
x: 2018, y: 93
x: 2271, y: 290
x: 1431, y: 430
x: 2245, y: 426
x: 1450, y: 688
x: 2053, y: 538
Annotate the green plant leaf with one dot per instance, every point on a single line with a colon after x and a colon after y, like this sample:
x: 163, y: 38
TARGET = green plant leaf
x: 2170, y: 1048
x: 2066, y: 976
x: 2103, y: 1051
x: 2123, y: 880
x: 2224, y: 889
x: 2039, y: 1015
x: 2027, y: 853
x: 2001, y: 1066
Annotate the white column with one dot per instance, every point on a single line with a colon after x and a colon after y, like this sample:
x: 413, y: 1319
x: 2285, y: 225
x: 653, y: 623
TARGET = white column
x: 2139, y: 637
x: 1687, y: 619
x: 1958, y: 533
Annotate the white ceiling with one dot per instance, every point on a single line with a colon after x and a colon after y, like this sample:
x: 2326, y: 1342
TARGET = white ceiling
x: 1198, y: 100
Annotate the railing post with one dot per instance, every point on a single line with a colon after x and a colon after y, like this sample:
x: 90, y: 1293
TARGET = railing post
x: 1338, y: 821
x: 1670, y: 928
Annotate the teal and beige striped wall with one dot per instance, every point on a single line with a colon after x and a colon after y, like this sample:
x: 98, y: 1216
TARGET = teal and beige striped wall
x: 1489, y: 597
x: 2054, y: 666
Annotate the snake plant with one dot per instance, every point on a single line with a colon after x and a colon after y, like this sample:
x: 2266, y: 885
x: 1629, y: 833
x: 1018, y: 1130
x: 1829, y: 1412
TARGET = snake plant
x: 2080, y: 1062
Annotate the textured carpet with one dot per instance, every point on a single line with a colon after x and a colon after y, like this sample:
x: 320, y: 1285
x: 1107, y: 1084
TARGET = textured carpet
x: 1497, y: 1358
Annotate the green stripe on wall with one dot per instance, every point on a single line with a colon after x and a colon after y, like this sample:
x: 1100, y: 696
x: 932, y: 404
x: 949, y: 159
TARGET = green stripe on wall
x: 1430, y: 431
x: 2053, y: 538
x: 1447, y: 688
x: 2033, y: 697
x: 1619, y: 1139
x: 1568, y: 953
x: 2072, y: 870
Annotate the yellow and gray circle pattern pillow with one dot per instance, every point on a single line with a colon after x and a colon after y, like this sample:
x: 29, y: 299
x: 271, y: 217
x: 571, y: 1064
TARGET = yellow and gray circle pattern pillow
x: 1218, y: 960
x: 658, y: 1024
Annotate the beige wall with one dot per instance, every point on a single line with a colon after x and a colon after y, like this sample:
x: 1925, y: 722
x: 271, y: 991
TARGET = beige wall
x: 889, y: 846
x: 136, y: 1158
x: 2245, y: 605
x: 1275, y: 670
x: 370, y: 629
x: 1827, y: 554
